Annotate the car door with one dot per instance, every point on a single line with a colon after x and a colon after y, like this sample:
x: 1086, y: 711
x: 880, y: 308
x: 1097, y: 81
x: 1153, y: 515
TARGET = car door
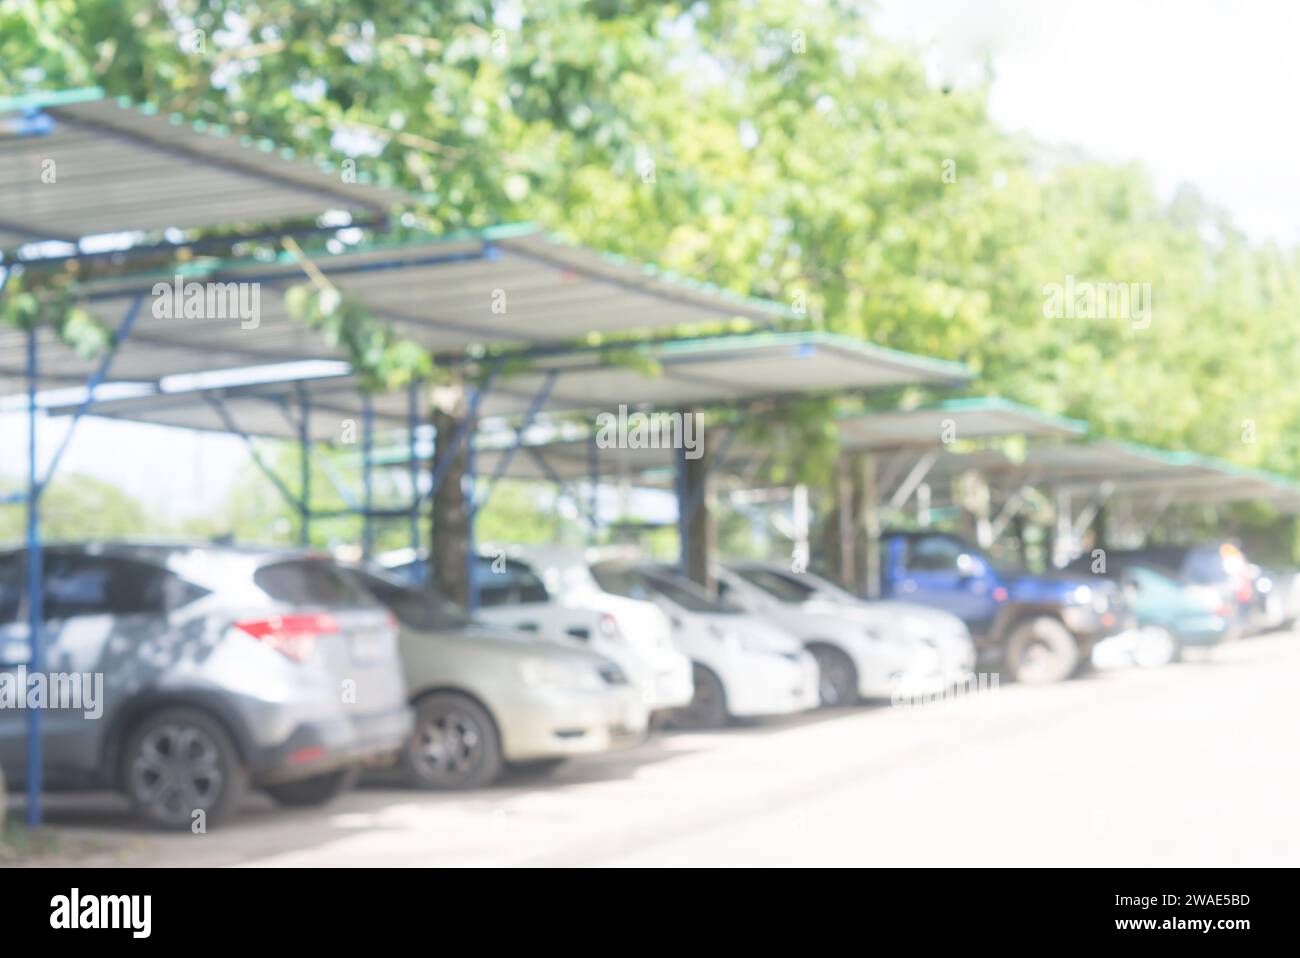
x: 945, y: 573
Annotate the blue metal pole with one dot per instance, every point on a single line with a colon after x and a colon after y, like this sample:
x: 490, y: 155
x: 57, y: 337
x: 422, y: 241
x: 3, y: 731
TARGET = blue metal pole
x: 35, y: 592
x: 471, y: 546
x: 367, y: 451
x: 593, y: 476
x: 304, y: 466
x: 683, y: 512
x: 413, y: 467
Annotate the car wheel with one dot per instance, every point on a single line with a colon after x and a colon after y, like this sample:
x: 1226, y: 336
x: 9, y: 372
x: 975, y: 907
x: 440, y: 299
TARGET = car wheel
x: 708, y: 706
x: 1156, y: 646
x: 317, y: 790
x: 455, y: 744
x: 837, y: 677
x: 178, y: 762
x: 1041, y: 651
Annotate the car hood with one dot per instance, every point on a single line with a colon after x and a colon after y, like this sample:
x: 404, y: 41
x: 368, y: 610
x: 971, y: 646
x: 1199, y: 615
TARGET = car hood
x: 754, y: 630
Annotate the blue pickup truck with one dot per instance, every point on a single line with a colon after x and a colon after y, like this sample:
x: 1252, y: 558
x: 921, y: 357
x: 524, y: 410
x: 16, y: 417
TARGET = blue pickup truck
x: 1040, y: 627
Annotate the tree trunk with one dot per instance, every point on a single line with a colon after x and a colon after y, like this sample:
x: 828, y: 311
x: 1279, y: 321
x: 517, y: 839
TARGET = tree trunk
x: 449, y: 525
x: 699, y: 525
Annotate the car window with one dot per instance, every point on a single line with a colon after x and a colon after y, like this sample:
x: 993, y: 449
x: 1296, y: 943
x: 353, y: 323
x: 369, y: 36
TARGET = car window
x: 11, y: 588
x: 619, y: 578
x: 415, y: 608
x: 933, y: 554
x: 1149, y: 580
x: 1204, y: 566
x: 507, y: 582
x: 78, y: 584
x: 782, y: 587
x: 316, y: 582
x: 685, y: 593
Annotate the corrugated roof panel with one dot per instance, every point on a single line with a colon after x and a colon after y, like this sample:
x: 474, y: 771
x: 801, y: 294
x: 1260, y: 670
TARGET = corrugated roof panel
x: 119, y: 167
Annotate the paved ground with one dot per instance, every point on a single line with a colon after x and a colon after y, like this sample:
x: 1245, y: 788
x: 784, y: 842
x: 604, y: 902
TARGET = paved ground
x: 1196, y: 764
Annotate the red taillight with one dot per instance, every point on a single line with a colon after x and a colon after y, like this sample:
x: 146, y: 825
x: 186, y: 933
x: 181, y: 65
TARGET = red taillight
x: 609, y: 626
x: 293, y: 636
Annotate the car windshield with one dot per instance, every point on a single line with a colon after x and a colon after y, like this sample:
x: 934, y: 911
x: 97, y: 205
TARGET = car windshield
x: 1149, y: 580
x: 683, y: 592
x: 782, y: 587
x: 422, y: 608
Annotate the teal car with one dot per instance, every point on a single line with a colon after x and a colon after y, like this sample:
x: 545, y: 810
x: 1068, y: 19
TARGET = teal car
x: 1170, y: 616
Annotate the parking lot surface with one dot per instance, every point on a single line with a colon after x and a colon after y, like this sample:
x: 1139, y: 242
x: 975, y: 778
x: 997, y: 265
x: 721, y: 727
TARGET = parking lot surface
x: 1193, y: 764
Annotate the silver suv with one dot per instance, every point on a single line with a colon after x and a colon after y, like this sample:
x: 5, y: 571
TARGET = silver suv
x: 183, y: 675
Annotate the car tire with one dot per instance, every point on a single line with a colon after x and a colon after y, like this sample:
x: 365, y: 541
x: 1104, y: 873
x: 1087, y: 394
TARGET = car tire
x: 1156, y: 646
x: 708, y: 705
x: 837, y: 677
x: 1041, y: 651
x: 455, y: 744
x: 317, y: 790
x: 177, y: 762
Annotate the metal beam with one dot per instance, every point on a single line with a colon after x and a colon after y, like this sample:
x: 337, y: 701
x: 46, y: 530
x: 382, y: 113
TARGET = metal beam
x: 530, y: 417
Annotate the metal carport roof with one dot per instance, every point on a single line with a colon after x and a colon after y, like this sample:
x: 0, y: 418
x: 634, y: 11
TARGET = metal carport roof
x: 717, y: 370
x: 441, y: 293
x: 983, y: 417
x: 120, y: 166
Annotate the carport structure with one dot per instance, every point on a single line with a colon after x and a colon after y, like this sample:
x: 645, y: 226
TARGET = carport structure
x: 84, y: 176
x: 675, y: 377
x: 87, y: 178
x: 1092, y: 481
x: 885, y: 459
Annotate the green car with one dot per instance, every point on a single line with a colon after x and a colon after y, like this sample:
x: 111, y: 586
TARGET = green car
x: 1170, y: 616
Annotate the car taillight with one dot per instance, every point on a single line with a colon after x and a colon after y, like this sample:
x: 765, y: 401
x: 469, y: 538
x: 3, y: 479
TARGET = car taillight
x: 293, y: 636
x: 609, y: 626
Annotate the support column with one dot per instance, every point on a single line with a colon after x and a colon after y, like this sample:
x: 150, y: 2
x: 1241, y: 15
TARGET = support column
x: 871, y: 526
x: 413, y: 464
x: 847, y: 501
x: 367, y: 477
x: 35, y: 592
x: 693, y: 520
x: 304, y: 468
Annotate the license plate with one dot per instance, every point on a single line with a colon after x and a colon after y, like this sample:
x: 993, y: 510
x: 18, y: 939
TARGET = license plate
x: 369, y: 646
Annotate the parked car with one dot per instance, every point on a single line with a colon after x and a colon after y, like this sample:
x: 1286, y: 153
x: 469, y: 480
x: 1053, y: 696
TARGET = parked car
x: 1040, y: 627
x: 486, y: 697
x: 1170, y: 617
x: 741, y: 665
x: 1219, y: 565
x: 222, y: 669
x: 551, y: 592
x: 863, y: 649
x: 1267, y: 609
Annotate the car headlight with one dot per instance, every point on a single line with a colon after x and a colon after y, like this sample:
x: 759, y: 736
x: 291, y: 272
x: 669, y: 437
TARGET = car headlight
x: 895, y: 637
x: 564, y: 675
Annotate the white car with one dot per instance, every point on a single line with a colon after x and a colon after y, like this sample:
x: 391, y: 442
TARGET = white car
x: 863, y: 649
x: 743, y: 666
x: 550, y: 591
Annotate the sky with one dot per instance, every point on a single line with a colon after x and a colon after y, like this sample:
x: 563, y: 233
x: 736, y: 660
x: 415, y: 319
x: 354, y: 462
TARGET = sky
x: 1200, y: 91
